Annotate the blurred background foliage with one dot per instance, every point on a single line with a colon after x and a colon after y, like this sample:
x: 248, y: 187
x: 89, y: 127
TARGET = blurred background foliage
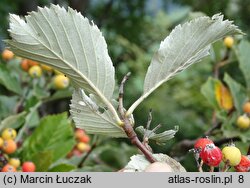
x: 133, y: 31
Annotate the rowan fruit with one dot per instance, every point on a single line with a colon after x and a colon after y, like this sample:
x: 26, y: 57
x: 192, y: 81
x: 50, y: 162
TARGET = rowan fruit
x: 28, y: 166
x: 211, y: 155
x: 244, y: 165
x: 8, y: 168
x: 60, y: 82
x: 15, y: 162
x: 201, y: 143
x: 243, y: 122
x: 246, y: 107
x: 231, y: 155
x: 9, y: 146
x: 9, y: 133
x: 7, y: 55
x: 228, y: 42
x: 35, y: 71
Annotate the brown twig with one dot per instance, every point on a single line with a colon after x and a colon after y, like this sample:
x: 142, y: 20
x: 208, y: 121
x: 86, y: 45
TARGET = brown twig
x: 128, y: 128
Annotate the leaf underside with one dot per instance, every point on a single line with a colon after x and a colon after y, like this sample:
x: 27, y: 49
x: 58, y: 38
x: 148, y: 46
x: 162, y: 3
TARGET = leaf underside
x: 68, y: 42
x: 186, y: 44
x: 88, y: 115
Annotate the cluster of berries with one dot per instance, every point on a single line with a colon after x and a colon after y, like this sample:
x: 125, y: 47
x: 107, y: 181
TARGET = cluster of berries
x: 212, y: 156
x: 82, y: 144
x: 8, y: 146
x: 35, y: 70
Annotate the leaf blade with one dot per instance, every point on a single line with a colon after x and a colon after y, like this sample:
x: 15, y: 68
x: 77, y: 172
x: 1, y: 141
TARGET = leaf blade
x: 186, y: 44
x: 86, y: 115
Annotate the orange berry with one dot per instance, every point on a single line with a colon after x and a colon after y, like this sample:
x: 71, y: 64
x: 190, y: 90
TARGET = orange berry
x: 7, y: 55
x: 79, y: 133
x: 246, y: 107
x: 85, y: 139
x: 25, y: 65
x: 32, y: 63
x: 8, y: 168
x: 9, y: 146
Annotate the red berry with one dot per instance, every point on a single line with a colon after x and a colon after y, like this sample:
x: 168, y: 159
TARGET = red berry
x: 28, y: 166
x: 201, y: 143
x: 211, y: 155
x: 244, y: 165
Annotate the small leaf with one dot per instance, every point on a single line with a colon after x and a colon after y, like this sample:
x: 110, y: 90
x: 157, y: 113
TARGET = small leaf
x: 87, y: 115
x: 13, y: 121
x: 54, y: 134
x: 223, y: 96
x: 238, y: 92
x: 186, y: 45
x: 244, y: 60
x: 138, y: 163
x: 160, y: 138
x: 62, y: 168
x: 8, y: 81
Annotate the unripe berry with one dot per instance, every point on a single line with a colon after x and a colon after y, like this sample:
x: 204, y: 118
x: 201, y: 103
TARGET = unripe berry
x: 243, y: 122
x: 246, y: 107
x: 211, y: 155
x: 7, y: 55
x: 15, y: 162
x: 8, y: 168
x: 46, y: 67
x: 35, y: 71
x: 9, y: 133
x: 201, y: 143
x: 158, y: 167
x: 228, y: 42
x: 232, y: 155
x: 28, y: 166
x: 244, y: 165
x: 82, y: 147
x: 9, y: 146
x: 61, y: 81
x: 1, y: 142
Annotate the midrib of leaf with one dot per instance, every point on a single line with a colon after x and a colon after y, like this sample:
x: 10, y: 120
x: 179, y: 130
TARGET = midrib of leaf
x: 102, y: 97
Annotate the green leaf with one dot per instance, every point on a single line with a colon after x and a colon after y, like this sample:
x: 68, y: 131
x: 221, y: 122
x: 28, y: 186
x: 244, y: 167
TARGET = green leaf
x: 62, y: 168
x: 13, y: 121
x: 238, y: 92
x: 138, y: 163
x: 244, y: 60
x: 8, y: 81
x: 54, y: 134
x: 87, y: 115
x: 42, y: 160
x: 160, y: 138
x: 186, y: 45
x: 7, y: 105
x: 68, y: 42
x: 208, y: 90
